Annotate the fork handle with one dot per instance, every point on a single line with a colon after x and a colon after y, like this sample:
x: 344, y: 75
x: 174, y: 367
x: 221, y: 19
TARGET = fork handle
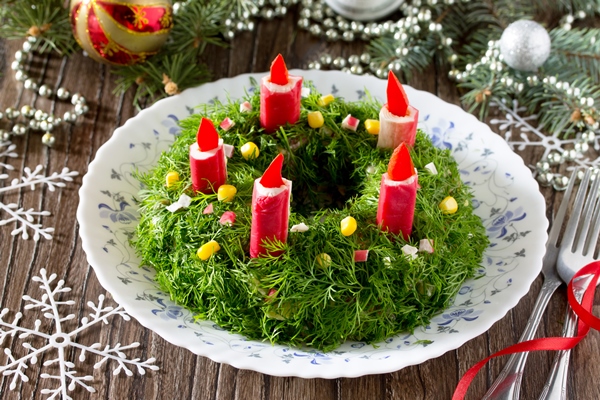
x: 556, y: 385
x: 507, y: 385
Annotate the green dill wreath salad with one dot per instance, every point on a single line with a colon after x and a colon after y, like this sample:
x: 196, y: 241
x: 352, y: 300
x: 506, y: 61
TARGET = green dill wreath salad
x: 315, y: 293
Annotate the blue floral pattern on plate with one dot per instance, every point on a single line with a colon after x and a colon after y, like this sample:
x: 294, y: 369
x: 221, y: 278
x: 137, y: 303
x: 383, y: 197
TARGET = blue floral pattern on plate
x: 506, y: 198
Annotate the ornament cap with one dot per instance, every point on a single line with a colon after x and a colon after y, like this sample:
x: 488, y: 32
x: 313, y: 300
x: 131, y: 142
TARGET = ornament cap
x: 207, y: 136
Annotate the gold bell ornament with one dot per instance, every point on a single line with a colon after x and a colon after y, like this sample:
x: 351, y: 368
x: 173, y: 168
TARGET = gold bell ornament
x: 121, y: 32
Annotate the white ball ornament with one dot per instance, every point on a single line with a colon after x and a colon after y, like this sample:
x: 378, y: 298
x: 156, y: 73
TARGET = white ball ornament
x: 525, y: 45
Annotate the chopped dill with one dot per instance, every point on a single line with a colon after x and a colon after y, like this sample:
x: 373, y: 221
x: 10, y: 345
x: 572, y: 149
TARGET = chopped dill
x: 293, y: 299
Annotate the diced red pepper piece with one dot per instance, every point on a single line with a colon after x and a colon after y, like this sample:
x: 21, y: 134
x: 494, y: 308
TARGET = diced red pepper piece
x: 279, y: 72
x: 396, y: 96
x: 207, y: 136
x: 228, y: 218
x: 361, y: 255
x: 400, y: 166
x: 272, y: 176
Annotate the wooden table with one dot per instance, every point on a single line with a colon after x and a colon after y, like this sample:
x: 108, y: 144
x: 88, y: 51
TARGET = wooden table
x: 183, y: 375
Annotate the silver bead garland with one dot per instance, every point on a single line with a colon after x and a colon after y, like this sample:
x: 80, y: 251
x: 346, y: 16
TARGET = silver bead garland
x: 28, y: 118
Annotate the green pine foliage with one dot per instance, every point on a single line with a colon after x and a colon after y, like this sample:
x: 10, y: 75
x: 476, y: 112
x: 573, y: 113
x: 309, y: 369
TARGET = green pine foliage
x: 293, y: 298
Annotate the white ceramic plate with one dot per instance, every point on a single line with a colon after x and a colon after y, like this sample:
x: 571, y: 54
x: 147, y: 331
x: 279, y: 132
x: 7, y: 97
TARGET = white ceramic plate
x: 507, y: 200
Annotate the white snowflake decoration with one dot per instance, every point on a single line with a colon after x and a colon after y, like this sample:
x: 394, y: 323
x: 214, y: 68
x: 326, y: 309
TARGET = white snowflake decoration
x: 519, y: 133
x: 25, y: 219
x: 50, y: 307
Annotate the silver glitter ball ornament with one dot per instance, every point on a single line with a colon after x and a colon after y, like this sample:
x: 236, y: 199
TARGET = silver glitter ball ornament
x: 27, y: 111
x: 545, y: 179
x: 30, y: 84
x: 525, y: 45
x: 48, y: 139
x: 63, y: 93
x: 45, y: 91
x: 19, y: 129
x: 5, y: 135
x: 560, y: 182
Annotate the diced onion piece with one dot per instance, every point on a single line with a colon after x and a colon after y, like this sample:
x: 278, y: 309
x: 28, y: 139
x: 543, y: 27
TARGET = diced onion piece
x: 245, y: 107
x: 209, y: 209
x: 372, y: 126
x: 325, y: 100
x: 207, y: 250
x: 323, y: 260
x: 226, y: 193
x: 171, y: 178
x: 426, y: 246
x: 174, y: 207
x: 448, y: 205
x: 315, y: 119
x: 250, y: 151
x: 350, y: 123
x: 348, y: 226
x: 301, y: 227
x: 305, y: 92
x: 361, y: 255
x: 227, y: 124
x: 185, y: 200
x: 228, y: 218
x: 431, y: 168
x: 410, y: 251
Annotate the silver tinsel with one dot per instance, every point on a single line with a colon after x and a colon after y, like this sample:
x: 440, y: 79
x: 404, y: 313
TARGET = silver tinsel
x: 525, y: 45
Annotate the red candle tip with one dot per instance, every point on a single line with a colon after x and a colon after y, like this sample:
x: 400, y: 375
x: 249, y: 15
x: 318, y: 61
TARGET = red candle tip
x: 397, y: 100
x: 401, y: 166
x: 279, y: 72
x: 207, y: 136
x: 272, y: 176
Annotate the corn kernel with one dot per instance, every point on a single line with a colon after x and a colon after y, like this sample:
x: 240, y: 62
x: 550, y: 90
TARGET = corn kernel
x: 226, y: 193
x: 325, y: 100
x: 372, y: 126
x: 448, y: 205
x: 172, y: 178
x: 323, y: 260
x: 250, y: 151
x: 207, y: 250
x: 315, y: 119
x: 348, y: 226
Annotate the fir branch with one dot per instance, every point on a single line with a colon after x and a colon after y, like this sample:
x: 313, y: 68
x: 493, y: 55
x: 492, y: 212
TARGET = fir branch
x: 575, y: 53
x: 46, y: 20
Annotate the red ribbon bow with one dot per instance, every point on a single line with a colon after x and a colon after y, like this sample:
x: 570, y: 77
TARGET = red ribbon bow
x: 586, y: 321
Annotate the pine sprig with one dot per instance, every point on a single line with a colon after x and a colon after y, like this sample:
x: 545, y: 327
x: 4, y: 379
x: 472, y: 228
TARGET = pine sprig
x: 46, y: 20
x: 293, y: 298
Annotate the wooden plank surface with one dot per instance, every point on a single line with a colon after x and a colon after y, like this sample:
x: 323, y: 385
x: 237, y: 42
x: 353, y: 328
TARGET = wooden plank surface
x: 182, y: 374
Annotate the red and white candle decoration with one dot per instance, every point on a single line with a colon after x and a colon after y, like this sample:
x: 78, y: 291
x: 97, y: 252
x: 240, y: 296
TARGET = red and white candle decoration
x: 208, y: 167
x: 280, y: 95
x: 270, y: 209
x: 398, y: 194
x: 397, y: 119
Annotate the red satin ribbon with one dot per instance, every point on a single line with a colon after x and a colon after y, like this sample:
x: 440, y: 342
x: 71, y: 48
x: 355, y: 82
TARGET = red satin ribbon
x: 586, y: 321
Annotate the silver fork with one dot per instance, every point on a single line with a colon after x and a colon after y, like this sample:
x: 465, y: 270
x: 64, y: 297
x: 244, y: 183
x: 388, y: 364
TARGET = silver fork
x: 507, y: 385
x: 577, y: 250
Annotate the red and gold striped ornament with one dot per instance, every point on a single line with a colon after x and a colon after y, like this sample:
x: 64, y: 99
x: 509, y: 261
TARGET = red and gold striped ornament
x: 121, y: 32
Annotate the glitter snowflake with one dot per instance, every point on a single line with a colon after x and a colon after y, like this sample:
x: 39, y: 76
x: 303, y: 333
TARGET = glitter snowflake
x: 67, y: 378
x: 520, y: 133
x: 25, y: 219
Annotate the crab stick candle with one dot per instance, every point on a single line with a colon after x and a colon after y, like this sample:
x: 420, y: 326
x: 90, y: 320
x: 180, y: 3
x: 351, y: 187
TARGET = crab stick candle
x: 397, y: 119
x: 270, y: 209
x: 398, y: 194
x: 208, y: 167
x: 280, y: 95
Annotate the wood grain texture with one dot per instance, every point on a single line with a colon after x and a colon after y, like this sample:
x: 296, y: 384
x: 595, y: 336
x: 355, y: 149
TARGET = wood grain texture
x: 183, y: 375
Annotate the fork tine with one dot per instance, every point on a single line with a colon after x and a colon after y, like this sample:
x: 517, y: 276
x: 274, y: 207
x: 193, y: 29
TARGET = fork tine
x: 583, y: 238
x: 562, y: 211
x: 592, y: 237
x: 571, y: 230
